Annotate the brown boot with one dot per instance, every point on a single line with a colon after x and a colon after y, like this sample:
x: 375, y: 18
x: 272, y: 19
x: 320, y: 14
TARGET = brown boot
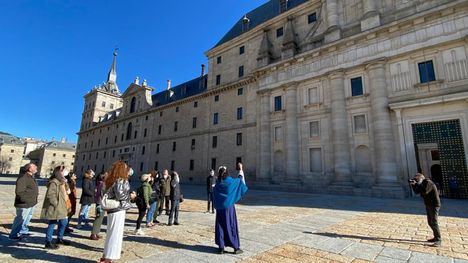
x: 93, y: 237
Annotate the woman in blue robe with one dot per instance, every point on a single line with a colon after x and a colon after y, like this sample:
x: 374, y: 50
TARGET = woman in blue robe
x: 227, y: 192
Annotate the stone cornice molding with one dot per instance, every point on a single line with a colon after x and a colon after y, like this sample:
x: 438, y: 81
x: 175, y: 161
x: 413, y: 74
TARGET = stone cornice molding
x: 380, y: 62
x: 428, y: 101
x: 339, y: 73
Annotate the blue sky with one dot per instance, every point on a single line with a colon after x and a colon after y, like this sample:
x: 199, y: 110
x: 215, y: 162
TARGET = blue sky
x: 53, y: 52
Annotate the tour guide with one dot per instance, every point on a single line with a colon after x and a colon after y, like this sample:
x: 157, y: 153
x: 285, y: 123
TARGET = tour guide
x: 227, y: 192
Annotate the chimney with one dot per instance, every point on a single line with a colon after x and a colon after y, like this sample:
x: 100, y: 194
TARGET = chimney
x: 63, y: 140
x: 168, y: 84
x: 202, y: 70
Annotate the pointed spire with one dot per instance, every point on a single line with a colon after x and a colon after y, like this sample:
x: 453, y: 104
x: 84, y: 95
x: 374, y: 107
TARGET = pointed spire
x: 264, y: 54
x: 289, y: 41
x: 112, y: 76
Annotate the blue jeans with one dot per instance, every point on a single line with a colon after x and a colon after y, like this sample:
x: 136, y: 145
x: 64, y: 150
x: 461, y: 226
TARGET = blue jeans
x: 21, y: 221
x: 151, y: 211
x: 83, y: 218
x: 62, y: 223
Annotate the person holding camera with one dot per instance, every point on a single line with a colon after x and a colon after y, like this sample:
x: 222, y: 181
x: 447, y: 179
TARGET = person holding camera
x: 428, y: 191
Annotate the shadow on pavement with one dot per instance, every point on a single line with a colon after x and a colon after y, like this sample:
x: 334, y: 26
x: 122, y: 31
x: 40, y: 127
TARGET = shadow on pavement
x: 171, y: 244
x: 396, y: 240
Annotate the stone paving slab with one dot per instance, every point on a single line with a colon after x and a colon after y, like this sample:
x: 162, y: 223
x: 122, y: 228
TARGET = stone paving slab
x: 362, y: 251
x: 395, y: 253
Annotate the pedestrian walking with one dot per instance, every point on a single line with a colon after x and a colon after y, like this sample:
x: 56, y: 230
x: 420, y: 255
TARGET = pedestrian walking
x: 117, y: 188
x: 143, y: 201
x: 210, y: 183
x: 176, y: 197
x: 55, y: 208
x: 428, y: 191
x: 227, y: 192
x: 100, y: 213
x: 26, y: 192
x: 72, y: 196
x: 87, y: 198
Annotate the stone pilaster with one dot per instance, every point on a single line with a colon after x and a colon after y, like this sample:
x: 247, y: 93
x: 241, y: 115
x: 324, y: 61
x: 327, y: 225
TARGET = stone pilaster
x: 384, y: 144
x: 371, y: 16
x: 333, y: 32
x: 339, y: 125
x: 265, y: 137
x: 292, y: 135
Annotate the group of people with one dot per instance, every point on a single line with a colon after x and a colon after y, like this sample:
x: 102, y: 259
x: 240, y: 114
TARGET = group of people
x: 155, y: 193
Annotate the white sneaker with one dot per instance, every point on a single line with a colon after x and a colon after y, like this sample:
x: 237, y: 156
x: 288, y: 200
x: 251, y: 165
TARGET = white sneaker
x: 139, y: 232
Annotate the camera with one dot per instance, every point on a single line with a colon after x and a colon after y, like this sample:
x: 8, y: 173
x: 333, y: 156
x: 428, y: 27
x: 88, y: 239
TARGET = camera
x: 412, y: 181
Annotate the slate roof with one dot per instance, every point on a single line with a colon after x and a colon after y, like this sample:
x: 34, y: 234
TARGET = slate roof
x: 182, y: 91
x: 10, y: 139
x: 60, y: 145
x: 258, y: 16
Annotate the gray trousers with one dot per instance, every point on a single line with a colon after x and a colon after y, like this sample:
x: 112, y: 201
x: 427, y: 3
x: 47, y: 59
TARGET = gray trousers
x: 98, y: 223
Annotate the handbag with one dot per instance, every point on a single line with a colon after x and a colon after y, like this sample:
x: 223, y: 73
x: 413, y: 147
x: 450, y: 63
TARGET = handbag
x: 108, y: 203
x: 181, y: 199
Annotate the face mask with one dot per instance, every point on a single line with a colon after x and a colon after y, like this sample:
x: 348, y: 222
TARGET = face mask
x: 130, y: 172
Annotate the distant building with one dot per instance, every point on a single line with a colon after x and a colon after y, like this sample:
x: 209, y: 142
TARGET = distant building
x: 15, y: 152
x: 344, y: 97
x: 52, y: 154
x: 11, y: 153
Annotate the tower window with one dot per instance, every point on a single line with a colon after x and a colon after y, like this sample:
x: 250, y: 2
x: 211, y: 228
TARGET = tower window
x: 215, y: 118
x: 241, y: 71
x: 279, y: 32
x: 239, y: 113
x: 241, y: 50
x: 218, y: 60
x: 312, y: 18
x: 132, y: 105
x: 218, y: 79
x: 214, y: 142
x: 239, y: 139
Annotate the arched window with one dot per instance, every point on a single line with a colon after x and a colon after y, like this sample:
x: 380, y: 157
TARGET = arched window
x: 129, y: 131
x: 132, y: 105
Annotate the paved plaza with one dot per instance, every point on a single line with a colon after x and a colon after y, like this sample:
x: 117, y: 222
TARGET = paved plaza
x: 274, y: 227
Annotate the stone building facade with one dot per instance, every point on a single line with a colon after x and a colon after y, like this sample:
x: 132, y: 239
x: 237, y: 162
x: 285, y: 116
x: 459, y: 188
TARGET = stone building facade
x: 334, y: 96
x: 11, y: 153
x: 51, y: 155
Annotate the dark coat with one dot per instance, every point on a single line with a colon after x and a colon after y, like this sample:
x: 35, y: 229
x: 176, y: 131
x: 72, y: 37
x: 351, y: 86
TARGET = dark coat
x: 428, y: 191
x: 210, y: 181
x: 175, y: 190
x: 87, y: 194
x: 26, y: 191
x: 165, y: 186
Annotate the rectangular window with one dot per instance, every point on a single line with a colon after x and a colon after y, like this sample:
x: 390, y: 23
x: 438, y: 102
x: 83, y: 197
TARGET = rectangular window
x: 192, y: 165
x: 239, y: 139
x: 105, y: 154
x: 314, y: 129
x: 312, y: 95
x: 107, y: 140
x: 177, y: 109
x: 426, y: 71
x: 146, y: 117
x: 175, y: 126
x: 122, y: 137
x: 174, y: 146
x: 195, y: 104
x: 241, y: 50
x: 315, y: 160
x: 143, y: 150
x: 216, y: 98
x: 240, y: 91
x: 215, y: 118
x: 214, y: 142
x: 278, y: 104
x: 312, y: 18
x: 135, y: 135
x: 356, y: 87
x: 156, y: 165
x: 157, y: 148
x: 192, y: 146
x: 97, y: 155
x: 84, y: 156
x: 360, y: 125
x: 141, y: 166
x: 194, y: 122
x: 239, y: 113
x: 115, y: 139
x: 113, y: 153
x: 278, y: 133
x: 145, y: 131
x: 218, y: 79
x: 279, y: 32
x: 213, y: 163
x: 160, y: 114
x: 218, y: 60
x: 112, y: 106
x: 172, y: 165
x: 103, y: 104
x: 159, y: 129
x: 241, y: 71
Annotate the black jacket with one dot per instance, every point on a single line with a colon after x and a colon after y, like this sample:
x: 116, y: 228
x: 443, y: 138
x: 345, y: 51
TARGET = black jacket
x: 210, y: 181
x: 26, y: 191
x: 428, y: 191
x: 175, y: 190
x: 87, y: 194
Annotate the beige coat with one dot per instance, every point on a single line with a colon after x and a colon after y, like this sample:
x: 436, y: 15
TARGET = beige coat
x: 55, y: 201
